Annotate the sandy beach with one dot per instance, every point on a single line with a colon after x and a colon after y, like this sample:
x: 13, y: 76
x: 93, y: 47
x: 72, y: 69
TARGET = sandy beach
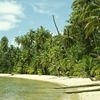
x: 65, y: 81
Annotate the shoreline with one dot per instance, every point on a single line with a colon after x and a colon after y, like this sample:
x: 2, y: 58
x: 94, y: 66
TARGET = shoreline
x: 64, y: 81
x: 54, y: 79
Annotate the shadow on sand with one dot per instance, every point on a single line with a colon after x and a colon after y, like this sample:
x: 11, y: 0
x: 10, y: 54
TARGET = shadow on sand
x: 81, y: 86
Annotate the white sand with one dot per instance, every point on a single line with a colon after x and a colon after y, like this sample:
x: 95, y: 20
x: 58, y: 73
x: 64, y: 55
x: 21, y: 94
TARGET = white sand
x: 66, y: 82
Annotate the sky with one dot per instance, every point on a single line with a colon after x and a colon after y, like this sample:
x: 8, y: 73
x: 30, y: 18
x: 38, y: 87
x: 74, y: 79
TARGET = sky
x: 17, y: 17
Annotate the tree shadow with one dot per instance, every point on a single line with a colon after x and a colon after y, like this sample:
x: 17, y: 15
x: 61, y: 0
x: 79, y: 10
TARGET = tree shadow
x: 79, y: 86
x: 83, y: 91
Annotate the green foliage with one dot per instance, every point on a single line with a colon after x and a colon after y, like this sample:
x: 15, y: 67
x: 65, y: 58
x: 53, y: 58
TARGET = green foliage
x: 76, y: 52
x: 98, y: 77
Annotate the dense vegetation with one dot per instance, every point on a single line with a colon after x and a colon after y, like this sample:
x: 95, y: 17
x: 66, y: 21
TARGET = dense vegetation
x: 76, y: 52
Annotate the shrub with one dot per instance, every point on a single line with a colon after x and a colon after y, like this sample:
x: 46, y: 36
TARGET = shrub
x: 97, y: 77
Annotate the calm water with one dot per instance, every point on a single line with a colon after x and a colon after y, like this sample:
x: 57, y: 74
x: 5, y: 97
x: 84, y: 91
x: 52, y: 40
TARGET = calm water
x: 23, y: 89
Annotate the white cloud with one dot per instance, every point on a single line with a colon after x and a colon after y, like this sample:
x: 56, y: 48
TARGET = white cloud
x: 47, y: 7
x: 10, y: 7
x: 14, y: 43
x: 6, y: 25
x: 41, y: 9
x: 10, y: 14
x: 8, y: 17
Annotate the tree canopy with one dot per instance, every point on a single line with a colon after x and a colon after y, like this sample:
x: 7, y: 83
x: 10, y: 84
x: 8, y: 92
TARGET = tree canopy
x: 76, y: 52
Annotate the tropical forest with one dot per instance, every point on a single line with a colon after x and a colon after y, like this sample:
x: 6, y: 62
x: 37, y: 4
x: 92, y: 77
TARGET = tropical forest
x: 75, y: 52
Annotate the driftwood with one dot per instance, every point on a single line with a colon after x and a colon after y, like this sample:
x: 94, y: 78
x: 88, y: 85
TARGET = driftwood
x: 83, y: 91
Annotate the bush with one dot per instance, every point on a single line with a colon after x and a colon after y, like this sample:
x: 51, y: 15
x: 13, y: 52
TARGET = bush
x: 97, y: 77
x: 39, y: 71
x: 17, y: 69
x: 29, y: 70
